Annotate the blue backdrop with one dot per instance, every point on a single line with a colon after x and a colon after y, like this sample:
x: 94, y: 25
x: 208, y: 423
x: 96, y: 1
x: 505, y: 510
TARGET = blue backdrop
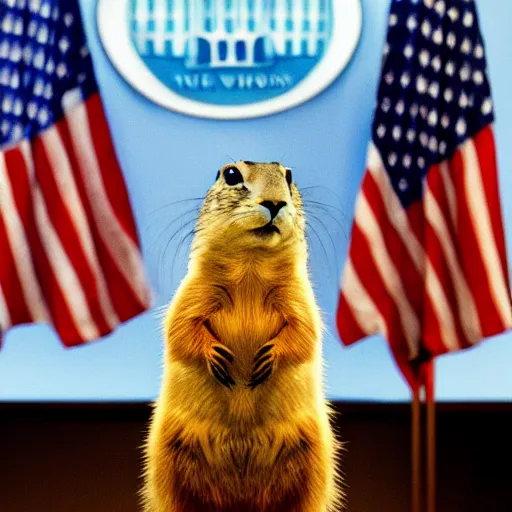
x: 168, y: 157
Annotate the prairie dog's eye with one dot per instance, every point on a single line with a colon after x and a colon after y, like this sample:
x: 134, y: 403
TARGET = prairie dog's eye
x: 233, y: 176
x: 289, y: 178
x: 218, y: 175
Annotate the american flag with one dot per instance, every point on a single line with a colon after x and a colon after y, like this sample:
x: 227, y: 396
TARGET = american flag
x: 69, y: 251
x: 427, y: 262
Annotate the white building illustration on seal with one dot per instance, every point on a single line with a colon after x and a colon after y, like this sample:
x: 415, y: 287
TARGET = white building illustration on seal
x: 230, y: 33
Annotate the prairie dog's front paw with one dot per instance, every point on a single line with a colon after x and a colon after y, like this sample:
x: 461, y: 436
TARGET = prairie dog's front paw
x: 218, y: 359
x: 264, y: 364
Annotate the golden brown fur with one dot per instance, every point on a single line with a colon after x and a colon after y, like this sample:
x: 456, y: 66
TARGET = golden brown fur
x: 215, y: 443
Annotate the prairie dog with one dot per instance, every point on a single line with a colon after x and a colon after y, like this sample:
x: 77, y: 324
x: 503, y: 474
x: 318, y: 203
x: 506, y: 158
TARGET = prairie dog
x: 241, y: 423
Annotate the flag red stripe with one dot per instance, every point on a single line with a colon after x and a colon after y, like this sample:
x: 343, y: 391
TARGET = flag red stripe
x: 347, y: 325
x: 81, y: 263
x: 432, y: 328
x: 67, y: 231
x: 486, y: 152
x: 409, y: 275
x: 58, y: 306
x: 439, y: 262
x: 121, y: 293
x: 5, y: 318
x: 10, y: 283
x: 470, y: 256
x: 110, y: 170
x: 16, y: 224
x: 433, y: 340
x: 372, y: 281
x: 123, y: 250
x: 412, y: 280
x: 437, y: 187
x: 416, y: 217
x: 63, y: 172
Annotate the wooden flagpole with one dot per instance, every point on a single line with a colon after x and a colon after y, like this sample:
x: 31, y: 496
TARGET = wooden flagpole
x: 431, y: 436
x: 416, y: 452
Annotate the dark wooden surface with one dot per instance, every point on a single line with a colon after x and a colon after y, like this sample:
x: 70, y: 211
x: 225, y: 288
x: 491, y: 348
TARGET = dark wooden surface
x: 86, y: 457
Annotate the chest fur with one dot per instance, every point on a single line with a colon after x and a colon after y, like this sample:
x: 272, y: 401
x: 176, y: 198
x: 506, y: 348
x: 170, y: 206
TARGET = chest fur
x: 250, y: 321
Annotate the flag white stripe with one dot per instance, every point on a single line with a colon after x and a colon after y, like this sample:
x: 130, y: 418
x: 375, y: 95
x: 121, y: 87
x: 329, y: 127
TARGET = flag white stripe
x: 478, y: 209
x: 5, y: 317
x: 362, y: 306
x: 123, y: 250
x: 396, y: 213
x: 20, y: 249
x: 444, y: 171
x: 468, y: 312
x: 441, y: 307
x: 63, y: 271
x: 68, y: 192
x: 400, y: 222
x: 368, y: 224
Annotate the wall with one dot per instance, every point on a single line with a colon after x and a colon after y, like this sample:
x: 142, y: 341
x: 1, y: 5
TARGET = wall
x: 168, y: 157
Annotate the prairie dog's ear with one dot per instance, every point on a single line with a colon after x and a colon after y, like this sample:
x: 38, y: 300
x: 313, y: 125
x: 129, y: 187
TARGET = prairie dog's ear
x: 289, y: 177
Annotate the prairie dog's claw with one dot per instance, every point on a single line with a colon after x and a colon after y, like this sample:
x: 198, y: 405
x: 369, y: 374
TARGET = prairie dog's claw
x: 263, y: 365
x: 218, y: 360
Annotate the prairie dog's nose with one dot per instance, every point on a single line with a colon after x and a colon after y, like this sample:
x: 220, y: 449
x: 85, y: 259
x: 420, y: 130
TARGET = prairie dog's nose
x: 273, y: 207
